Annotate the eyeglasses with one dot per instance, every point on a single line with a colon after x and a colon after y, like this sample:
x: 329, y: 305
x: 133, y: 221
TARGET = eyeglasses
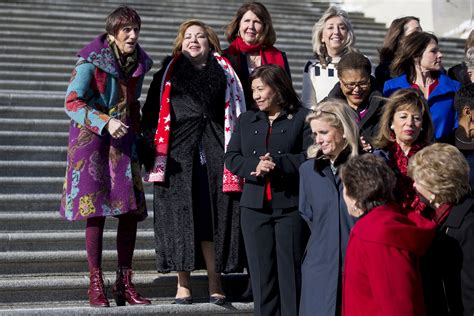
x: 352, y: 85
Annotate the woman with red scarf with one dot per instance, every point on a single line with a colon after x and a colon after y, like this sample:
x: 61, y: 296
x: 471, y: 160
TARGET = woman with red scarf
x: 441, y: 177
x: 405, y: 128
x: 188, y: 117
x: 251, y: 37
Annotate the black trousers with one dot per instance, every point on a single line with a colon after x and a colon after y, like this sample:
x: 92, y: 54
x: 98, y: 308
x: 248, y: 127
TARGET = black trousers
x: 274, y: 241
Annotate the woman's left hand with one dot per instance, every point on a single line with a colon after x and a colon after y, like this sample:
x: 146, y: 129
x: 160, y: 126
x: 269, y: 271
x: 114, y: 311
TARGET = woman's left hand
x: 366, y: 146
x: 265, y: 165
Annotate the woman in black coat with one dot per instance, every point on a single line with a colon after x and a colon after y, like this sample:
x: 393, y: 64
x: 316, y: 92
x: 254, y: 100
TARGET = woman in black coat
x: 267, y: 148
x: 441, y: 177
x: 191, y: 105
x: 360, y: 91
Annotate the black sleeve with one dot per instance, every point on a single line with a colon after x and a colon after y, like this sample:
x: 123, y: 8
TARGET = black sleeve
x: 150, y: 114
x: 287, y: 65
x: 235, y: 161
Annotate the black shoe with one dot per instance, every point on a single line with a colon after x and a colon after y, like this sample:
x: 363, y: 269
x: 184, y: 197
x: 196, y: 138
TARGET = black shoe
x: 217, y: 299
x: 184, y: 300
x: 247, y: 295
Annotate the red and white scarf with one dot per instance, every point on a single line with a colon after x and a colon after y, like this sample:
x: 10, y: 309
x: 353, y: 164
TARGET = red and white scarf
x: 234, y: 106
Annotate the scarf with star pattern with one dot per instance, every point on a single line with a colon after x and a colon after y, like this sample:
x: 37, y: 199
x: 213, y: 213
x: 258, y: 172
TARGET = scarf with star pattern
x: 234, y: 106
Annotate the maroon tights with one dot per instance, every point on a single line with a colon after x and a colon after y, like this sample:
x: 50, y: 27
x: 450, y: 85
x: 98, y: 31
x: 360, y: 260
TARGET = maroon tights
x: 126, y: 236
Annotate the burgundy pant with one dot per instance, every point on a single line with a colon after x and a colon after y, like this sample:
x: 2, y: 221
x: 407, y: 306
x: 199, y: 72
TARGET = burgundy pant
x: 126, y: 237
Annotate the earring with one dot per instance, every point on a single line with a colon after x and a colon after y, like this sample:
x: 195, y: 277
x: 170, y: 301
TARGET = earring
x: 344, y: 136
x: 392, y: 128
x: 432, y: 197
x: 356, y: 211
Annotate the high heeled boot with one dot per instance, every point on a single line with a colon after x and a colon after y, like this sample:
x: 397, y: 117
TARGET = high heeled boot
x: 96, y: 292
x: 124, y: 289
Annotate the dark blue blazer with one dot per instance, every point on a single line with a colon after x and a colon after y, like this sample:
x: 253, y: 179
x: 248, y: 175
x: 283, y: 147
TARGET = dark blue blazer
x: 288, y: 142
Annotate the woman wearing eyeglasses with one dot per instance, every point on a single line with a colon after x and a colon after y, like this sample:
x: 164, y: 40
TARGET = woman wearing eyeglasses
x: 358, y: 88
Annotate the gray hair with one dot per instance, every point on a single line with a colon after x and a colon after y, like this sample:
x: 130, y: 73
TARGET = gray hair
x: 469, y: 58
x: 319, y: 27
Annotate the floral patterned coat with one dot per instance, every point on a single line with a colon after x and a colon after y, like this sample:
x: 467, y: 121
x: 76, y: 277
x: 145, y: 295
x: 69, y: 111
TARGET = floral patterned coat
x: 103, y: 174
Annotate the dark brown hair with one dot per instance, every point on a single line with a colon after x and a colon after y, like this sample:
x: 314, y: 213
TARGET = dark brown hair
x: 121, y: 17
x: 395, y: 33
x: 412, y: 47
x: 400, y: 100
x: 275, y: 77
x: 369, y: 181
x: 267, y: 36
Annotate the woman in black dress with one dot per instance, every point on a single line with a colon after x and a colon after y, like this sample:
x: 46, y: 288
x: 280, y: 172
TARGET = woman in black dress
x: 196, y: 211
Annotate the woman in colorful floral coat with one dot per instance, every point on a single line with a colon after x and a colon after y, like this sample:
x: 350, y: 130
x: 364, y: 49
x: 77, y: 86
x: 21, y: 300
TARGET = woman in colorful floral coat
x: 103, y: 173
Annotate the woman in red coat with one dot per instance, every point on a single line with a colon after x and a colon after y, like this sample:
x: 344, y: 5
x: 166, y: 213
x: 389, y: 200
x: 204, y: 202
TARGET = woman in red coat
x: 381, y: 275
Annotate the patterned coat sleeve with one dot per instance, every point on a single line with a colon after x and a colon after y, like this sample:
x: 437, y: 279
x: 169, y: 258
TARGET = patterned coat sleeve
x: 78, y: 94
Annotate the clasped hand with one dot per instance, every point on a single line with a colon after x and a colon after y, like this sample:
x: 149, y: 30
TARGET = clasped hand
x: 265, y: 165
x: 116, y: 128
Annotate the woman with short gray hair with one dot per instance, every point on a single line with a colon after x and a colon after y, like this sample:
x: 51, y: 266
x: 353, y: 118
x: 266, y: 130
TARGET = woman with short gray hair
x: 441, y: 177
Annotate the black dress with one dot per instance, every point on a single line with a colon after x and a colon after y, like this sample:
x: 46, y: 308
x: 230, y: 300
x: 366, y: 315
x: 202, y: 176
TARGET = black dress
x: 190, y: 206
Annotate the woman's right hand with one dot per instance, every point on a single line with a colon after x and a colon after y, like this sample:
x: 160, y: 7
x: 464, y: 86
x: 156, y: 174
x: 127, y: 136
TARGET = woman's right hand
x: 116, y: 128
x: 265, y: 165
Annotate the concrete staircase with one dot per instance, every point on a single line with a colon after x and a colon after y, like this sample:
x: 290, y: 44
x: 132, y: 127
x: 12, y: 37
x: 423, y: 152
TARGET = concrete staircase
x: 42, y: 258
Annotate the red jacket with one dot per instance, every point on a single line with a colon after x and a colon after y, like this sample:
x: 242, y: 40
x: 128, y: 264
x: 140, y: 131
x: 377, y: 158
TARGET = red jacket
x: 381, y: 275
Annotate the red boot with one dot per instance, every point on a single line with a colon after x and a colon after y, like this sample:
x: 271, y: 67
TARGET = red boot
x: 124, y: 289
x: 96, y: 292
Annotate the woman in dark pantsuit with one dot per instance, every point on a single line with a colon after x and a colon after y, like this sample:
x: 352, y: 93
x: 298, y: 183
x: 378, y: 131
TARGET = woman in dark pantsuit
x: 267, y: 148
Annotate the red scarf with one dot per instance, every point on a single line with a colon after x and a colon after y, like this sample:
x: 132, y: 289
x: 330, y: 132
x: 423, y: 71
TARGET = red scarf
x: 234, y: 106
x: 440, y: 214
x: 404, y: 191
x: 268, y: 55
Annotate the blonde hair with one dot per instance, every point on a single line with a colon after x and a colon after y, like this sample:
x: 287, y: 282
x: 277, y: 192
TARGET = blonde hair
x: 443, y: 170
x: 212, y: 37
x: 338, y: 115
x: 317, y: 33
x: 403, y: 99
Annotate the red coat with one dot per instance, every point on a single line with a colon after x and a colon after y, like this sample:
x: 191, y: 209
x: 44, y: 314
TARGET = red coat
x: 381, y: 275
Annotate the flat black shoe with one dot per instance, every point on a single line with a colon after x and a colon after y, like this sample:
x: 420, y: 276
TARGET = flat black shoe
x: 247, y: 296
x: 184, y: 300
x: 217, y: 299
